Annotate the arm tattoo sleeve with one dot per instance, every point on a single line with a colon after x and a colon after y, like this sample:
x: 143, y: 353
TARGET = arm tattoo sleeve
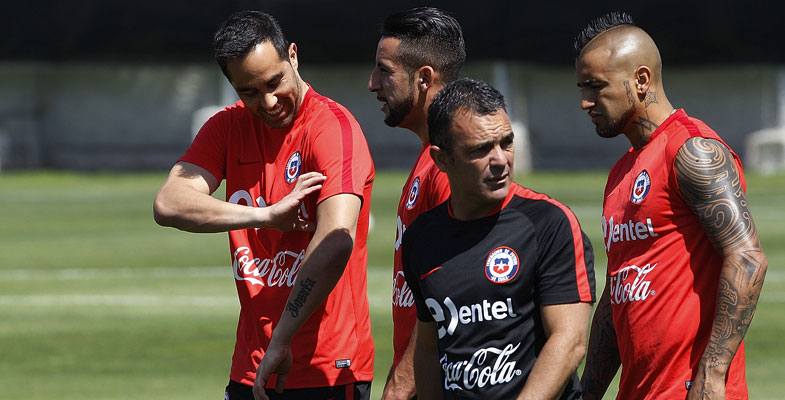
x: 602, y: 355
x: 709, y: 182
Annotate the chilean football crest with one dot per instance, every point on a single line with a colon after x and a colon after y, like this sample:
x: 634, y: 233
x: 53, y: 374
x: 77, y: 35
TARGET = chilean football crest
x: 641, y: 187
x: 293, y: 167
x: 501, y: 265
x: 414, y: 192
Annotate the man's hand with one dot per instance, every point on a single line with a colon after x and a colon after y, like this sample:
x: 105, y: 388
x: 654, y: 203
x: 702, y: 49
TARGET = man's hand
x: 708, y: 384
x: 277, y: 360
x: 283, y: 214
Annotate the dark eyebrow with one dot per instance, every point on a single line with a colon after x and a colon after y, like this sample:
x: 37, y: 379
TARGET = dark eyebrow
x: 275, y: 77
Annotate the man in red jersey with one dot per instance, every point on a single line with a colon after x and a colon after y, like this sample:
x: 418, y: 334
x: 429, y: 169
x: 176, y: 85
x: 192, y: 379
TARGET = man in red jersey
x: 685, y: 266
x: 502, y: 276
x: 292, y: 159
x: 420, y: 51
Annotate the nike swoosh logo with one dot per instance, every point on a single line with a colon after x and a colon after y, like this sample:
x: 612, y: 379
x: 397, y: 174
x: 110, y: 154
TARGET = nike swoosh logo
x: 425, y: 275
x: 240, y: 162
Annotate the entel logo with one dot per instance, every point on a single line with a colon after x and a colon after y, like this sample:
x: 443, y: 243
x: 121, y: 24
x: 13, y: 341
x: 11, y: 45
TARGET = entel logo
x: 470, y: 314
x: 626, y: 231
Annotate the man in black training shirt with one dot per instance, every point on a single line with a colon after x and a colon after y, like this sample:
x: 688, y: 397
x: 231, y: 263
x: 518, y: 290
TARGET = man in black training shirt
x: 502, y: 276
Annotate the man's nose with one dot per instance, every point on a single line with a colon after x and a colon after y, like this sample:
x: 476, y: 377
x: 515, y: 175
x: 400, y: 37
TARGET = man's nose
x: 269, y: 101
x: 373, y: 84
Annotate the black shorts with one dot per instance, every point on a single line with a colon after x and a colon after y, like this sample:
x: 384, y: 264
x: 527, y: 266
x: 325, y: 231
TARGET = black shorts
x: 352, y: 391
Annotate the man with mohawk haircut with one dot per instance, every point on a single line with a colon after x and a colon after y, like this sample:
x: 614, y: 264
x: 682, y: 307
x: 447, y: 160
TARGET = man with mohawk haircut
x: 685, y: 266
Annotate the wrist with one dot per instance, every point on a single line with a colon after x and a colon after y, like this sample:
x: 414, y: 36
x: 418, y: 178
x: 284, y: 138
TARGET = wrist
x: 260, y: 217
x: 716, y: 369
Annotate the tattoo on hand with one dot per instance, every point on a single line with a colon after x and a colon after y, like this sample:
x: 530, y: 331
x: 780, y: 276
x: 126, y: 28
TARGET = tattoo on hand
x: 305, y: 289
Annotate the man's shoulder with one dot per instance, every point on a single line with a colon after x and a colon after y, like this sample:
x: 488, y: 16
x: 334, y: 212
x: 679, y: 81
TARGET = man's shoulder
x: 538, y: 208
x: 322, y: 107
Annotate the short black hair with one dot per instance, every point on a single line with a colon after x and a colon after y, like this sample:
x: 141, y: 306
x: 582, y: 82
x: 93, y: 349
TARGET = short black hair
x: 600, y: 25
x: 242, y: 31
x: 429, y: 36
x: 466, y: 94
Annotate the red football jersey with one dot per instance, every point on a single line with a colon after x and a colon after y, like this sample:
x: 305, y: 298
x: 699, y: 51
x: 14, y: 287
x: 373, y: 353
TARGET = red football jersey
x: 663, y: 271
x: 261, y: 165
x: 425, y: 188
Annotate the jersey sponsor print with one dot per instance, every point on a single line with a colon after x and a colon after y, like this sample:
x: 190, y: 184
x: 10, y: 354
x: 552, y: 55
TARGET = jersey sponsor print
x: 488, y: 366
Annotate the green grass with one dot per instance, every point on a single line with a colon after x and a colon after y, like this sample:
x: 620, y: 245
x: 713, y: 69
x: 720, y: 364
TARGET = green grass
x: 98, y: 302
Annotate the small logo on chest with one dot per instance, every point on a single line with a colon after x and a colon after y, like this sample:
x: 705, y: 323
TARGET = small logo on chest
x: 413, y: 193
x: 640, y: 188
x: 501, y: 265
x: 293, y: 167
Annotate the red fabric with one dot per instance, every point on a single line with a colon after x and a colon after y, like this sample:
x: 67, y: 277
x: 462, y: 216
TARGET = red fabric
x: 433, y: 188
x: 663, y: 271
x: 258, y: 163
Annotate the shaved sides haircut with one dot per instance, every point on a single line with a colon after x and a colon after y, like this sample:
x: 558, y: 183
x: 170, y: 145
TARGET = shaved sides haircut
x: 600, y: 25
x: 429, y: 36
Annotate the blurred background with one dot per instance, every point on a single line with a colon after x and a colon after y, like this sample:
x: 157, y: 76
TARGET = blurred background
x: 99, y: 98
x: 123, y: 85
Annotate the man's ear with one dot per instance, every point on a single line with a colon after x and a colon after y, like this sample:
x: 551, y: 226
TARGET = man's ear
x: 426, y: 77
x: 642, y: 80
x: 440, y: 157
x: 293, y: 55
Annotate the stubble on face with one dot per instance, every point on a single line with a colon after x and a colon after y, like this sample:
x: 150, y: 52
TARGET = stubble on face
x: 616, y: 126
x: 399, y: 109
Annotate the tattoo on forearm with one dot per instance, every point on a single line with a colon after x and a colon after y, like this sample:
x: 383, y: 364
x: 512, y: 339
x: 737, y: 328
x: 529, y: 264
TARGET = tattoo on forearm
x: 651, y: 97
x: 602, y: 359
x: 709, y: 182
x: 305, y: 289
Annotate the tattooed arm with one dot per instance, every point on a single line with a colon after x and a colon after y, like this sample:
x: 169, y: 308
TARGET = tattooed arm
x: 709, y: 182
x: 325, y: 260
x: 602, y: 356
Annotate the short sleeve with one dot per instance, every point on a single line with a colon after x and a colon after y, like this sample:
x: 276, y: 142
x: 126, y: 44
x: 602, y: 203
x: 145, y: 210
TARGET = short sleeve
x: 412, y: 276
x: 565, y: 266
x: 209, y: 148
x: 338, y: 150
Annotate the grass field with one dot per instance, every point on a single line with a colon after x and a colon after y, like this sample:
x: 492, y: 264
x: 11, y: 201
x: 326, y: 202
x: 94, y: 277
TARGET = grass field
x: 98, y: 302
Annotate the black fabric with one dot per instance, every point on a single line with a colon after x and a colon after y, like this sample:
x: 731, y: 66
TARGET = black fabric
x: 488, y: 326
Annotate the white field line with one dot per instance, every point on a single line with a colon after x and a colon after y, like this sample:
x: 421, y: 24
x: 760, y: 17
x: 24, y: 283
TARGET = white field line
x: 377, y: 276
x: 112, y: 273
x: 82, y: 300
x: 377, y: 298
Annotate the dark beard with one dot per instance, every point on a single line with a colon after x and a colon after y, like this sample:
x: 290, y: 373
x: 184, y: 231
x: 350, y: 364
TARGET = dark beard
x: 399, y: 111
x: 614, y: 128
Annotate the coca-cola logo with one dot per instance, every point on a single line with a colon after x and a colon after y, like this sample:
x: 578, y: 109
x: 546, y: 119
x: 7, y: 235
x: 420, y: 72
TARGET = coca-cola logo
x: 487, y: 367
x: 269, y: 271
x: 624, y: 290
x: 402, y: 295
